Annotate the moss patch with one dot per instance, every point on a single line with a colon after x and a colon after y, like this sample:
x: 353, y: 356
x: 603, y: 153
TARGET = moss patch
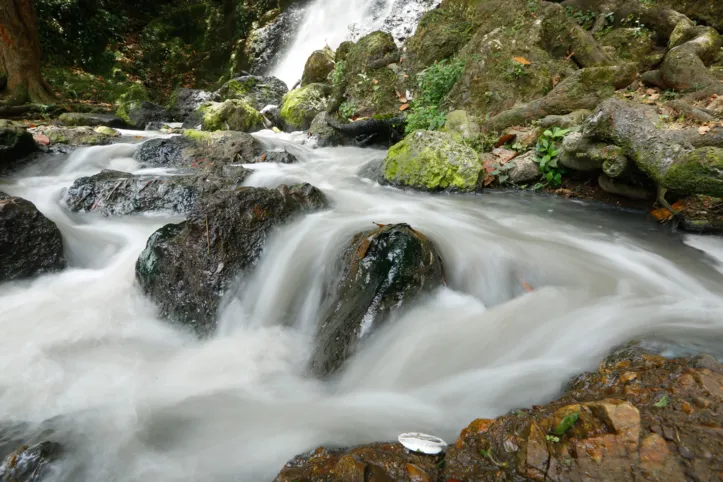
x: 233, y: 114
x: 700, y: 172
x: 300, y: 106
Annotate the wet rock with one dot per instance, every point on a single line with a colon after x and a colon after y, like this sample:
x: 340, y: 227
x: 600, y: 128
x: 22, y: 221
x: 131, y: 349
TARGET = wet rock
x: 15, y: 143
x: 323, y: 134
x: 272, y: 113
x: 525, y: 169
x: 233, y: 115
x: 72, y: 136
x: 281, y: 157
x: 186, y: 101
x: 639, y: 417
x: 301, y: 106
x: 185, y: 268
x: 75, y: 119
x: 318, y: 66
x: 30, y: 244
x: 198, y: 149
x: 107, y: 131
x: 115, y: 193
x: 256, y: 90
x: 29, y: 464
x: 264, y: 44
x: 382, y: 271
x: 432, y: 161
x: 143, y: 113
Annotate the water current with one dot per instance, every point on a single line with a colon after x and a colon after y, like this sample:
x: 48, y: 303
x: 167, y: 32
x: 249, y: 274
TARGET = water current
x: 84, y: 357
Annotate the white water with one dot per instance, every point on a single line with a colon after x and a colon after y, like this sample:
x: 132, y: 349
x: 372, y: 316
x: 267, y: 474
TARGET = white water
x: 136, y: 399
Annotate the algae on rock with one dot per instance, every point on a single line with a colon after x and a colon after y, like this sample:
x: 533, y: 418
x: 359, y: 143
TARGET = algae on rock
x: 300, y: 106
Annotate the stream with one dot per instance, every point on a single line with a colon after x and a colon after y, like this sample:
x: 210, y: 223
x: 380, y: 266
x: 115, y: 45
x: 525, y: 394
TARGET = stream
x: 85, y: 358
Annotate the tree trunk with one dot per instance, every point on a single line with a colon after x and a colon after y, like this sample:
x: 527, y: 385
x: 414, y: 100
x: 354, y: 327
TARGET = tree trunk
x: 20, y: 54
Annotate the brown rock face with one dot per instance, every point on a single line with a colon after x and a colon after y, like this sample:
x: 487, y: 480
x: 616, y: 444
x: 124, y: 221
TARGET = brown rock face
x: 639, y: 417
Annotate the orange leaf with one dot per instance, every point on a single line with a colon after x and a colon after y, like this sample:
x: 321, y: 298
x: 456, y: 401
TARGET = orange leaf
x: 702, y: 130
x: 505, y: 139
x: 522, y: 60
x: 663, y: 214
x: 403, y: 107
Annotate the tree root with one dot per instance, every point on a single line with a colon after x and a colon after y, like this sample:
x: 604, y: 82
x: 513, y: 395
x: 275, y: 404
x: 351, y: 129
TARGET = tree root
x: 582, y: 90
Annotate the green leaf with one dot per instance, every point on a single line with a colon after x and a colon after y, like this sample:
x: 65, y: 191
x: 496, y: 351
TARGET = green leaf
x: 566, y: 423
x: 503, y: 178
x: 663, y: 402
x: 545, y: 143
x: 547, y: 133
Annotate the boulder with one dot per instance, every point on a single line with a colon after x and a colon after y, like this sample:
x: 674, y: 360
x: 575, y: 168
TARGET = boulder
x: 382, y: 271
x: 462, y: 125
x: 30, y: 464
x: 525, y: 169
x: 143, y: 113
x: 318, y: 66
x: 115, y: 193
x: 258, y: 91
x: 75, y: 119
x: 15, y: 143
x: 73, y: 136
x: 265, y: 43
x: 30, y: 243
x: 107, y: 131
x: 323, y: 134
x: 432, y: 161
x: 709, y: 12
x: 130, y: 101
x: 233, y: 115
x: 301, y: 106
x: 185, y: 268
x: 186, y: 101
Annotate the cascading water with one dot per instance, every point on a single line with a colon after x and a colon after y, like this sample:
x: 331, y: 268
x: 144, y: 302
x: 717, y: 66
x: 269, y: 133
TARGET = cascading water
x: 85, y: 358
x: 330, y: 22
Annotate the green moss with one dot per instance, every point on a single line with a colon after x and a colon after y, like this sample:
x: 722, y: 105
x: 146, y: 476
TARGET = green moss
x: 196, y: 135
x: 700, y: 172
x: 432, y: 161
x: 441, y: 34
x: 233, y: 114
x: 135, y: 95
x: 318, y: 66
x: 300, y: 106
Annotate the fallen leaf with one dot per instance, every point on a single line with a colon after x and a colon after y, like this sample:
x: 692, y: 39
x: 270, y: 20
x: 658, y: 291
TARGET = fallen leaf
x: 703, y: 130
x: 42, y: 139
x: 522, y: 60
x: 505, y: 139
x: 403, y: 107
x: 555, y: 80
x: 503, y: 155
x: 662, y: 214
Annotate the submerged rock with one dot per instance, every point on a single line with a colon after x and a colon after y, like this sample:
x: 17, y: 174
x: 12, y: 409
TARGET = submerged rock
x: 120, y: 193
x: 301, y: 106
x: 639, y: 417
x: 432, y: 161
x: 382, y: 271
x: 15, y: 143
x: 29, y: 464
x: 259, y: 91
x: 75, y: 119
x: 30, y: 243
x: 185, y: 268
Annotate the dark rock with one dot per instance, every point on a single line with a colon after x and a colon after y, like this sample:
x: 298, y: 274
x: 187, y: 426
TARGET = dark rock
x: 281, y: 157
x: 30, y: 244
x: 185, y: 267
x: 15, y: 143
x: 318, y: 66
x: 142, y: 114
x: 324, y: 134
x: 272, y: 113
x: 263, y: 45
x: 75, y: 119
x: 29, y: 464
x: 187, y: 101
x: 157, y: 126
x: 199, y: 149
x: 120, y: 193
x: 382, y: 270
x: 258, y: 91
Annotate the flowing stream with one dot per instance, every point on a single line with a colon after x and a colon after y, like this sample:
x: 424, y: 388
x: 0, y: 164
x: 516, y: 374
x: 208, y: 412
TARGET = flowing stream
x: 84, y: 357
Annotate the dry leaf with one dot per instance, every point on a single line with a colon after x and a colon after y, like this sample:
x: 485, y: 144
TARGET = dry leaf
x: 42, y: 139
x: 505, y: 139
x: 403, y: 107
x: 555, y: 80
x: 522, y: 60
x: 703, y: 130
x: 662, y: 214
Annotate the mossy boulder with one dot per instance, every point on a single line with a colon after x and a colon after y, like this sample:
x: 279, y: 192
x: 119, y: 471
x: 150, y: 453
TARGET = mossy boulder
x: 432, y: 161
x: 132, y: 99
x: 73, y: 136
x: 318, y: 66
x: 258, y: 91
x: 462, y: 125
x: 633, y: 44
x: 698, y: 172
x: 343, y: 50
x: 91, y: 119
x: 709, y: 12
x: 301, y: 106
x: 230, y: 115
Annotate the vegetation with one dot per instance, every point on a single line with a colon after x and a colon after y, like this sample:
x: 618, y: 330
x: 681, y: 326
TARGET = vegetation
x: 547, y: 153
x: 433, y: 85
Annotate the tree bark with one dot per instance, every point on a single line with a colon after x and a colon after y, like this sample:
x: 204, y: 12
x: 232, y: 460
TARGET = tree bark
x: 20, y: 54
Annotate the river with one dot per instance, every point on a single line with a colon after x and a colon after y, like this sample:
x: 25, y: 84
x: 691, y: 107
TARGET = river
x: 134, y: 398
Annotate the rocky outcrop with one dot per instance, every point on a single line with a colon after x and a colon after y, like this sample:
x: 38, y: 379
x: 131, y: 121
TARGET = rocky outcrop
x: 318, y: 67
x: 258, y: 91
x: 186, y: 101
x: 114, y: 193
x: 639, y: 417
x: 233, y: 115
x: 382, y: 271
x: 185, y: 268
x: 30, y: 464
x: 15, y: 143
x: 30, y: 244
x: 74, y: 119
x: 265, y: 43
x: 301, y: 106
x: 143, y: 113
x: 432, y: 161
x: 72, y: 136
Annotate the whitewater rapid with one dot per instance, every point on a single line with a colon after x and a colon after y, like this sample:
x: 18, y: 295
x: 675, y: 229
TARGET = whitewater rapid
x: 133, y: 398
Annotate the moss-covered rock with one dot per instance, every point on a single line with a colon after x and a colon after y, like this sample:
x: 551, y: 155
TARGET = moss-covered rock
x: 107, y: 131
x: 300, y: 106
x: 343, y: 50
x: 259, y: 91
x: 318, y: 66
x: 710, y: 11
x: 230, y: 115
x: 73, y: 136
x: 698, y: 172
x: 633, y: 44
x: 461, y: 124
x: 91, y: 119
x: 432, y: 161
x: 132, y: 99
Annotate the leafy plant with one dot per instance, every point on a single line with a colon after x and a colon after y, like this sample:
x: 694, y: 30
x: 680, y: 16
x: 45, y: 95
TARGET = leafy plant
x: 585, y: 19
x: 552, y: 438
x: 547, y: 153
x: 663, y: 402
x: 502, y: 172
x: 337, y: 75
x: 433, y: 85
x: 566, y: 423
x: 516, y: 71
x: 347, y: 109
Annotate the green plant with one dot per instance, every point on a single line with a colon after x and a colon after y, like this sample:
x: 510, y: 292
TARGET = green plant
x: 347, y: 109
x: 547, y: 152
x: 608, y: 25
x: 516, y: 71
x: 552, y: 438
x: 585, y: 19
x: 433, y: 85
x: 501, y: 171
x: 566, y: 423
x: 337, y: 75
x: 663, y: 402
